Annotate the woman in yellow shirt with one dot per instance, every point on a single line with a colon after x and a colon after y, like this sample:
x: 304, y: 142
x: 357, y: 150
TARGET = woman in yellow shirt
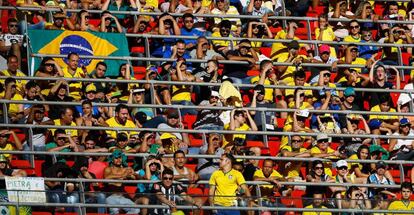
x: 325, y: 32
x: 258, y: 30
x: 354, y: 32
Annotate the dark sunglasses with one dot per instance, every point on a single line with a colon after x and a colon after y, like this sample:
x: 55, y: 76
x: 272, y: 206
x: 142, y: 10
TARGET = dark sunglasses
x: 367, y: 35
x: 343, y: 168
x: 225, y: 30
x: 327, y: 75
x: 5, y: 136
x: 167, y: 178
x: 13, y: 26
x: 57, y: 19
x: 354, y: 27
x: 50, y: 64
x: 214, y: 97
x: 61, y: 138
x: 215, y: 139
x: 318, y: 167
x: 296, y: 141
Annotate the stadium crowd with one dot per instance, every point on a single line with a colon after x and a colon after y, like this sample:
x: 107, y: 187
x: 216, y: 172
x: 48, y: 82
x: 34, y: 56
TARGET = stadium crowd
x: 338, y: 159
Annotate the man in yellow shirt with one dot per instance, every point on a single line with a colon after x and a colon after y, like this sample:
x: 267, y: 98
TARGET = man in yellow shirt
x: 221, y: 46
x: 317, y: 203
x: 405, y: 204
x: 294, y: 149
x: 66, y: 119
x: 13, y: 70
x: 73, y: 71
x: 120, y: 120
x: 238, y: 123
x: 224, y: 183
x: 383, y: 123
x: 268, y: 174
x: 290, y: 56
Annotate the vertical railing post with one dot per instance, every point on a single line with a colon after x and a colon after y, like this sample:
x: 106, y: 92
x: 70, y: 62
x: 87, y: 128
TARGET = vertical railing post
x: 30, y: 142
x: 264, y: 127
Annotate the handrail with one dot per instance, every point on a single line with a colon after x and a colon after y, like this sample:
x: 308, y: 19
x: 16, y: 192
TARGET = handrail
x: 324, y: 184
x: 207, y: 107
x: 204, y: 131
x: 208, y: 15
x: 108, y: 80
x: 244, y: 157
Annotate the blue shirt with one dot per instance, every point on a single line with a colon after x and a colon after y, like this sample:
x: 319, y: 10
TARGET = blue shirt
x: 367, y: 51
x: 192, y: 32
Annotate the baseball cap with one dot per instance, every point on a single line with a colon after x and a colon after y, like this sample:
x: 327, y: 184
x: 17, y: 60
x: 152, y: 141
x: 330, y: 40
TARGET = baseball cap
x: 341, y: 163
x: 215, y: 93
x: 374, y: 124
x: 3, y: 158
x: 349, y: 91
x: 381, y: 164
x: 165, y: 136
x: 260, y: 88
x: 90, y: 88
x: 152, y: 69
x: 320, y: 137
x: 324, y: 48
x: 293, y: 44
x: 404, y: 121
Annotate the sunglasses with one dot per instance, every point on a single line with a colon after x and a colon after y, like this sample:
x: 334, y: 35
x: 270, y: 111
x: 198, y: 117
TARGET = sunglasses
x: 367, y: 35
x: 354, y: 27
x: 188, y: 21
x: 296, y: 141
x: 5, y: 136
x: 58, y: 19
x: 318, y: 167
x: 91, y: 92
x: 173, y: 117
x: 214, y: 97
x: 343, y: 168
x: 224, y: 30
x: 215, y: 139
x: 13, y: 26
x: 61, y: 138
x: 327, y: 75
x: 406, y: 125
x: 49, y: 65
x: 167, y: 178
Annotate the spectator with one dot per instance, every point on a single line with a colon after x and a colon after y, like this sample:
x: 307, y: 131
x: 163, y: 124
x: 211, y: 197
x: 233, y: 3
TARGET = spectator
x: 242, y: 52
x: 268, y: 174
x: 405, y: 203
x: 259, y: 101
x: 188, y: 29
x: 258, y: 30
x: 59, y: 93
x: 316, y: 174
x: 32, y: 93
x: 288, y: 33
x: 13, y: 66
x: 289, y: 94
x: 181, y: 95
x: 73, y: 71
x: 89, y: 116
x: 354, y: 32
x: 120, y: 120
x: 118, y: 5
x: 378, y: 79
x: 152, y: 171
x: 178, y: 51
x: 206, y: 166
x: 6, y: 170
x: 291, y: 56
x: 298, y: 8
x: 223, y: 187
x: 181, y: 171
x: 62, y: 143
x: 11, y: 42
x: 66, y: 119
x: 353, y: 121
x: 83, y: 22
x: 202, y: 51
x: 317, y: 202
x: 341, y: 11
x: 324, y: 32
x: 225, y: 30
x: 122, y: 144
x: 136, y: 96
x: 177, y: 6
x: 163, y: 93
x: 257, y: 8
x: 15, y: 111
x: 166, y: 26
x: 291, y: 170
x: 141, y: 27
x: 209, y: 119
x: 110, y: 23
x: 321, y: 149
x: 59, y: 19
x: 37, y: 117
x: 99, y: 73
x: 118, y: 169
x: 356, y: 199
x: 223, y: 7
x: 164, y: 190
x: 238, y: 122
x: 326, y: 56
x: 378, y: 177
x: 367, y: 52
x: 7, y: 145
x: 381, y: 123
x: 48, y: 68
x: 402, y: 148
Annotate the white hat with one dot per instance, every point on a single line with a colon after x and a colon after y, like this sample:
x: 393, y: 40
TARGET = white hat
x: 321, y: 136
x: 341, y: 163
x: 215, y: 93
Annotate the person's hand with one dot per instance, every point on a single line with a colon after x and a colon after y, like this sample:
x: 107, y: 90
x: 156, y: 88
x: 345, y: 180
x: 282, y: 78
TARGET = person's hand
x: 337, y: 153
x: 293, y: 25
x: 171, y: 204
x: 198, y: 204
x: 251, y: 61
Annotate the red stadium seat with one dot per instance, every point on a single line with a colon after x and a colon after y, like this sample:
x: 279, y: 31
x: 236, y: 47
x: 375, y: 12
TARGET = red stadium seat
x: 189, y: 120
x: 20, y: 164
x: 253, y: 143
x: 131, y: 190
x: 139, y: 72
x: 138, y: 49
x: 274, y: 147
x: 266, y: 51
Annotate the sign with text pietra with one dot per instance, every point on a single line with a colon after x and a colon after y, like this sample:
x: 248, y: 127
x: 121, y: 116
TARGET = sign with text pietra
x: 26, y: 189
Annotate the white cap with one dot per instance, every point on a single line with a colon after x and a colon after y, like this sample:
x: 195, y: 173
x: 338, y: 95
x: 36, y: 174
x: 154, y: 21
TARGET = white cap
x: 341, y: 163
x: 215, y: 93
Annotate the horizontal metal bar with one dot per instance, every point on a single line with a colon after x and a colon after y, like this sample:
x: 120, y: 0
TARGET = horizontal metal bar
x: 195, y: 107
x: 204, y: 131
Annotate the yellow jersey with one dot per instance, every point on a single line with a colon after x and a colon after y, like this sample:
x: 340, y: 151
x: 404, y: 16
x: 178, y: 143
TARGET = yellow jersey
x: 294, y: 169
x: 377, y: 108
x: 20, y: 84
x: 315, y: 150
x: 316, y: 213
x: 224, y: 43
x: 259, y: 173
x: 244, y: 127
x: 268, y: 91
x: 287, y: 76
x: 226, y: 185
x: 75, y: 88
x: 114, y: 124
x: 71, y: 132
x: 328, y: 35
x: 400, y: 206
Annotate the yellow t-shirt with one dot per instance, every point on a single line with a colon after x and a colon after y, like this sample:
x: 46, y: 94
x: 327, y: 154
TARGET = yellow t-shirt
x: 181, y: 93
x: 315, y: 150
x: 290, y: 92
x: 276, y: 47
x: 114, y: 124
x: 294, y: 169
x: 316, y: 213
x: 75, y: 88
x: 377, y: 108
x: 224, y: 43
x: 71, y: 132
x: 328, y: 35
x: 14, y: 108
x: 226, y: 185
x: 351, y: 39
x: 268, y: 91
x: 8, y: 147
x: 400, y: 206
x: 287, y: 76
x: 244, y: 127
x: 259, y: 173
x: 19, y: 83
x: 351, y: 166
x: 357, y: 61
x: 235, y: 22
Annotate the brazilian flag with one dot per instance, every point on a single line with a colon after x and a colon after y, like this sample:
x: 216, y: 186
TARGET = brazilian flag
x: 82, y: 43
